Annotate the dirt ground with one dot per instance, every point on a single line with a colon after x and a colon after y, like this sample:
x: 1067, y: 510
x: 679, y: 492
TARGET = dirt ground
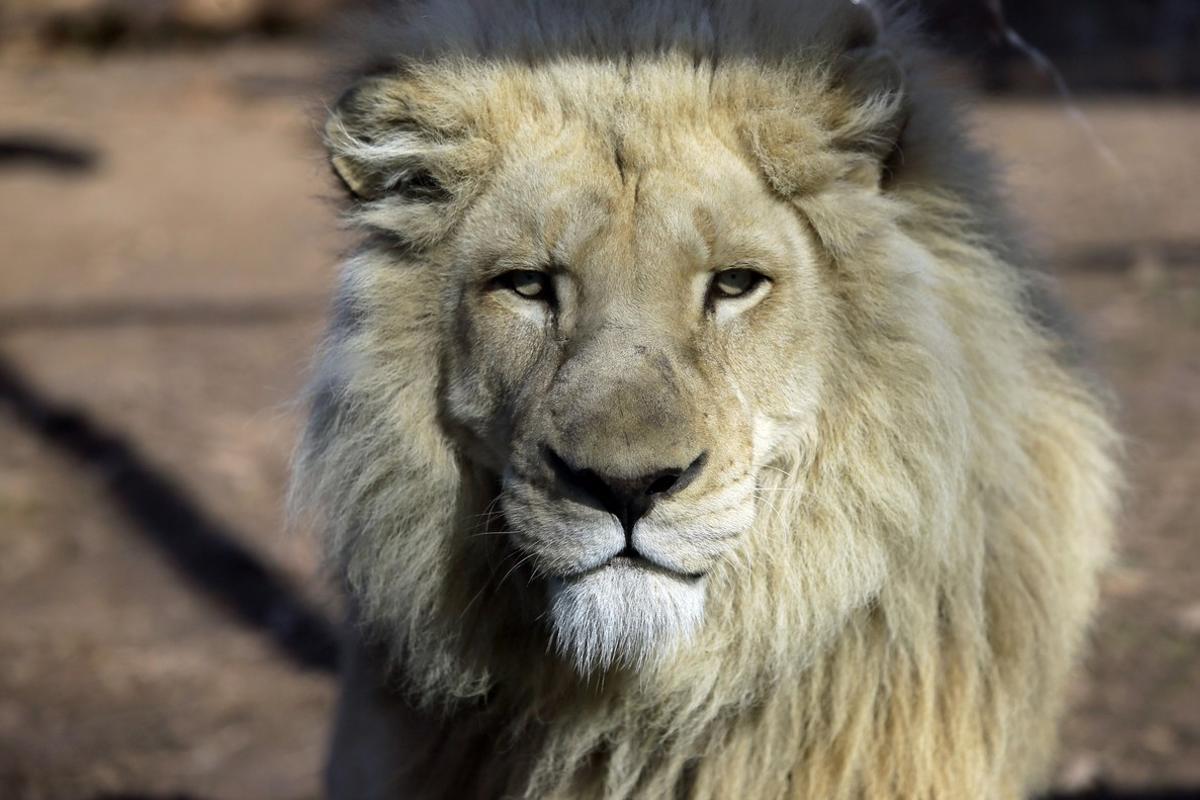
x: 166, y: 248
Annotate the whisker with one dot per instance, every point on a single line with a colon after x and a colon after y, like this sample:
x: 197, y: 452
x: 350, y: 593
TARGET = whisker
x: 780, y: 470
x: 772, y: 507
x: 513, y: 568
x: 491, y: 576
x: 488, y: 512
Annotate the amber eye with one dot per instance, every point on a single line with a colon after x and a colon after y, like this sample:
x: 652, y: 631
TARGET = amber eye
x: 529, y: 284
x: 736, y: 282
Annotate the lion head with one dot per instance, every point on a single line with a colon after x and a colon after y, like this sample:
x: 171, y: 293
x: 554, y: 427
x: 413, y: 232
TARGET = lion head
x: 611, y: 265
x: 682, y: 344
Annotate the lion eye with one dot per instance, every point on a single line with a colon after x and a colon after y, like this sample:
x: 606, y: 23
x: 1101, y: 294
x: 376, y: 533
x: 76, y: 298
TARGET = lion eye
x: 528, y: 283
x: 736, y: 282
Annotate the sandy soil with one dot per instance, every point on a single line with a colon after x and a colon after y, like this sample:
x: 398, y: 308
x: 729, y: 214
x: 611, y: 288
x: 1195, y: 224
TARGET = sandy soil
x: 166, y: 247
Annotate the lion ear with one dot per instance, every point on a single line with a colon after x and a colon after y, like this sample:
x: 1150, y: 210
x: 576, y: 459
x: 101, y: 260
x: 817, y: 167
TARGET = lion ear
x: 874, y: 80
x: 380, y: 143
x: 344, y: 142
x: 407, y: 158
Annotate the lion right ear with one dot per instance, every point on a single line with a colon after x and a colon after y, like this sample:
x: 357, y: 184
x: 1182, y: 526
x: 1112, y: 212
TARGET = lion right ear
x: 408, y: 158
x: 378, y: 144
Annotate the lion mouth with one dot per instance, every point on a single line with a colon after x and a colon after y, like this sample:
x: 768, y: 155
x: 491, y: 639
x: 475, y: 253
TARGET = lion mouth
x: 626, y: 611
x: 631, y: 558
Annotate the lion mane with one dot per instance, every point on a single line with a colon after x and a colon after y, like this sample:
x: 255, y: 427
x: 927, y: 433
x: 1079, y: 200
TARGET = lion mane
x: 956, y: 492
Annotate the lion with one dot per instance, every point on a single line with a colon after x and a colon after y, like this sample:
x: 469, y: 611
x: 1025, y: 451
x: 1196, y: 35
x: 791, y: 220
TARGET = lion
x: 689, y: 424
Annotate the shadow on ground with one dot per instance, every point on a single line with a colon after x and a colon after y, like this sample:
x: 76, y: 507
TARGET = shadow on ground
x: 1120, y: 257
x: 46, y: 151
x: 225, y: 313
x: 1131, y: 794
x: 209, y: 556
x: 1094, y: 794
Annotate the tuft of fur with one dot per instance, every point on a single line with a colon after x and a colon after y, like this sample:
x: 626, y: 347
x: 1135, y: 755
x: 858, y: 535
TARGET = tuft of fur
x: 651, y: 620
x: 903, y: 615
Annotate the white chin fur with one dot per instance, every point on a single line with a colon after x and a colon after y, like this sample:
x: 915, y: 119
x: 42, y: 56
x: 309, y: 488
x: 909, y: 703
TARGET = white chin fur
x: 623, y: 615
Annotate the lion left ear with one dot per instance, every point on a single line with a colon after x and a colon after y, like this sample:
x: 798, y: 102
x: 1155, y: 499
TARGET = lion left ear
x: 874, y: 81
x: 855, y: 134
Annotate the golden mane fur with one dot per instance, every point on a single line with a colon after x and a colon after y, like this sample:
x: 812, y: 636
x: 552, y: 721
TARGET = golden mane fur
x: 902, y: 618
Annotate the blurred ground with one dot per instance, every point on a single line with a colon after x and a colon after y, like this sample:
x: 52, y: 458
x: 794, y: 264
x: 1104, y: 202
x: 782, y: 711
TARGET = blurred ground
x: 98, y: 25
x: 165, y: 254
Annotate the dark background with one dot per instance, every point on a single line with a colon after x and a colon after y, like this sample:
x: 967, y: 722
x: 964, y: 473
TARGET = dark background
x: 1129, y: 46
x: 1099, y: 45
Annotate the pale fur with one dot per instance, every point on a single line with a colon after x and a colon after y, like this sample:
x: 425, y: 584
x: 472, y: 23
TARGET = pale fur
x: 902, y: 615
x: 623, y: 618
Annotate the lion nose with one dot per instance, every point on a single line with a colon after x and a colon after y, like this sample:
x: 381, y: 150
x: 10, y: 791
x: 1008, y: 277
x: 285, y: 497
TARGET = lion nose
x: 628, y: 499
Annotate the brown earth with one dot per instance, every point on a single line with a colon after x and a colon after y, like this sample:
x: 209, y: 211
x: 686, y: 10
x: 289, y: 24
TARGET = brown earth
x: 166, y: 249
x: 96, y: 25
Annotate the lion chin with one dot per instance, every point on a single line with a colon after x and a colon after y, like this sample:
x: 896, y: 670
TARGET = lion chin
x: 623, y: 614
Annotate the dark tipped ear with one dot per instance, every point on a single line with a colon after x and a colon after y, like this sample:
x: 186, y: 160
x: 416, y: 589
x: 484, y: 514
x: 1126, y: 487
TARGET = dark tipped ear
x: 345, y: 132
x: 391, y: 136
x: 335, y: 126
x: 408, y: 154
x: 874, y: 80
x: 379, y: 145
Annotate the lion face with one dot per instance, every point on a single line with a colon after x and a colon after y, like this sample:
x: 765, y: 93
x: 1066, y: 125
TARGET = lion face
x: 599, y: 271
x: 614, y: 321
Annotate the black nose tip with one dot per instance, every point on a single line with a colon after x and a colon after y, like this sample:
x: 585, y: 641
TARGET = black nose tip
x: 628, y: 499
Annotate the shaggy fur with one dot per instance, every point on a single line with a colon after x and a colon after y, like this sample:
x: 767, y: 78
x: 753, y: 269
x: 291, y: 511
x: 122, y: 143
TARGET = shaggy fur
x: 878, y: 583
